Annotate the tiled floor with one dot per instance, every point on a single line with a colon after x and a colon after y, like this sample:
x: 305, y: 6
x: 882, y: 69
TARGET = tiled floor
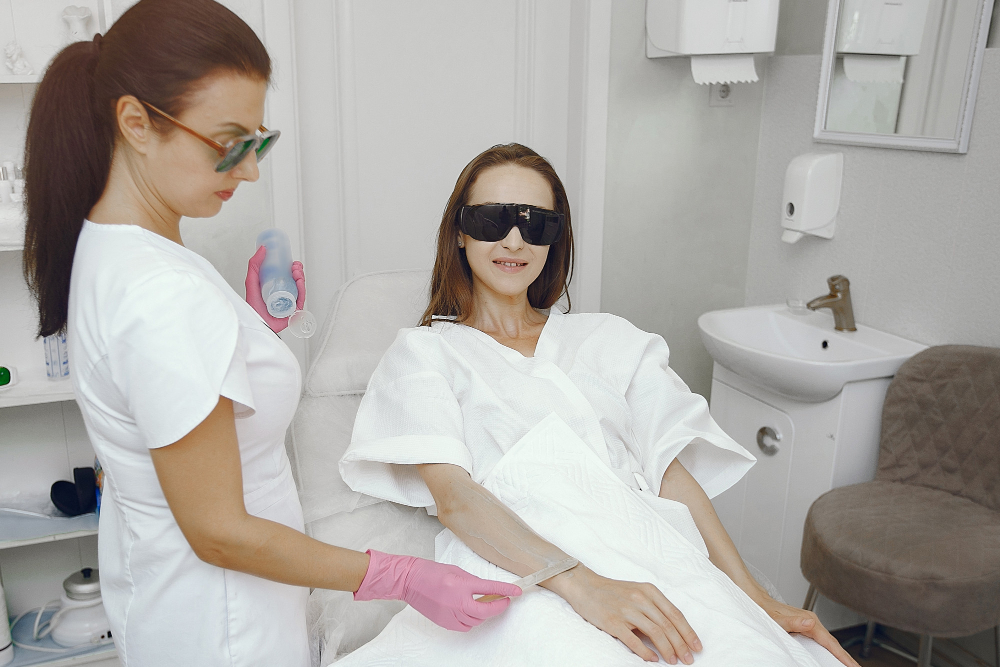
x: 946, y: 654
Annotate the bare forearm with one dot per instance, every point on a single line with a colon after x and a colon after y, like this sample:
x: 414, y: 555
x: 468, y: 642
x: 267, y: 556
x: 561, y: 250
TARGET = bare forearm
x: 679, y: 485
x: 485, y: 524
x: 274, y: 551
x: 202, y: 479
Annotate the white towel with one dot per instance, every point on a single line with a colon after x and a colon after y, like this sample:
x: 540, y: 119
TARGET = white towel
x: 560, y: 487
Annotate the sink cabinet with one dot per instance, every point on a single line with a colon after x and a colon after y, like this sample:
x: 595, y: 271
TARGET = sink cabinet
x: 821, y: 446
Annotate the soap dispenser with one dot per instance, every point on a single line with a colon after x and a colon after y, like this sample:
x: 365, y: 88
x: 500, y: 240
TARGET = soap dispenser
x: 812, y: 196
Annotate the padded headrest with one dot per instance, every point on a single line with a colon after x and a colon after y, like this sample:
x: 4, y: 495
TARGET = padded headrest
x: 368, y: 313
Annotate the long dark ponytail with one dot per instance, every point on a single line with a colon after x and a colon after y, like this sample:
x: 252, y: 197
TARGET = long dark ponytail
x: 156, y: 51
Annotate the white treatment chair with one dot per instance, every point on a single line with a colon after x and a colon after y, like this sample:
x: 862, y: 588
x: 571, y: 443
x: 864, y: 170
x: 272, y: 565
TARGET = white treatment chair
x: 368, y: 313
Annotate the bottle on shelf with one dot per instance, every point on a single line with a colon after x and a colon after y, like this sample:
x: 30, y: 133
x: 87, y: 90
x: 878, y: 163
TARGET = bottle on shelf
x: 6, y: 642
x: 18, y: 195
x: 56, y: 356
x: 6, y: 184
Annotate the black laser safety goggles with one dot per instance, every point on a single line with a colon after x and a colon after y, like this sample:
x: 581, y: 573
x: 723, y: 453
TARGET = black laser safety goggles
x: 493, y: 222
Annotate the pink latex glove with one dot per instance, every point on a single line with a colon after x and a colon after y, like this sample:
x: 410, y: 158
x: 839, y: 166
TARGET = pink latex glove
x: 256, y: 301
x: 442, y: 593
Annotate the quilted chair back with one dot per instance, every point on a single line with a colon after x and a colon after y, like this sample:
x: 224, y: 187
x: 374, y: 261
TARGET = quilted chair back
x: 941, y: 423
x: 367, y: 314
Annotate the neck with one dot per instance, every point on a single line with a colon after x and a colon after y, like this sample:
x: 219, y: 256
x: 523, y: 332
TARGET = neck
x: 128, y: 199
x: 508, y: 316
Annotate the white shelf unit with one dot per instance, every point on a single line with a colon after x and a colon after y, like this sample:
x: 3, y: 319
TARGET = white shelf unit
x: 33, y: 449
x: 20, y: 78
x: 36, y: 391
x: 19, y: 530
x: 79, y: 656
x: 11, y: 235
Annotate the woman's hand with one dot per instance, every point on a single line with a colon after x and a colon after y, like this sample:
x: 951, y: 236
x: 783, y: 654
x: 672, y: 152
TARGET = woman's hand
x: 255, y: 299
x: 443, y: 593
x: 799, y: 621
x: 620, y: 608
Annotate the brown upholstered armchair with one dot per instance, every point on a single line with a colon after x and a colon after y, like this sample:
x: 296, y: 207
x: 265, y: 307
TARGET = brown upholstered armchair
x: 918, y: 548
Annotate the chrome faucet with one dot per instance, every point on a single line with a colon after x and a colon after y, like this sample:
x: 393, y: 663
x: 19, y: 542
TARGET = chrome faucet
x: 839, y: 301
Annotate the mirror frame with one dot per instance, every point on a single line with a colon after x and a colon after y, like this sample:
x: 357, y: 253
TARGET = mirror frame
x: 958, y: 144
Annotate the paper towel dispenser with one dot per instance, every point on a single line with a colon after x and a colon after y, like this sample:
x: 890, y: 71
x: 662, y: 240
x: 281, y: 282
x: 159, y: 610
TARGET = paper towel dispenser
x: 882, y: 27
x: 721, y: 36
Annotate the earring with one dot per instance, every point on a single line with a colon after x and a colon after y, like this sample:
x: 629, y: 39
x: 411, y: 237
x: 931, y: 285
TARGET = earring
x: 461, y: 243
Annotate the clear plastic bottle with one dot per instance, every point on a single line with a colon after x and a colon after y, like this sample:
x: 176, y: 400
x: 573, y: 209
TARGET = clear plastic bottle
x: 6, y: 643
x: 56, y: 356
x: 277, y: 287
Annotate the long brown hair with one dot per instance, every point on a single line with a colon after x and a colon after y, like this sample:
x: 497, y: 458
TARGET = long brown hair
x: 451, y: 280
x: 157, y: 51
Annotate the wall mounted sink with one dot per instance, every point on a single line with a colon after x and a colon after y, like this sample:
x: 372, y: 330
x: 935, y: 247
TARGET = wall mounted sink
x: 799, y: 354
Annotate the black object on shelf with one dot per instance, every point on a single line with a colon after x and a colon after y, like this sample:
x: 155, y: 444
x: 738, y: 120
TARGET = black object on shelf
x: 77, y: 497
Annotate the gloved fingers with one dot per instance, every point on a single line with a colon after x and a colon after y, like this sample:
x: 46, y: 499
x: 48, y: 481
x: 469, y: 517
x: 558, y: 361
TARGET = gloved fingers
x: 299, y: 276
x: 252, y: 281
x: 491, y: 587
x: 458, y: 624
x: 257, y: 259
x: 483, y: 610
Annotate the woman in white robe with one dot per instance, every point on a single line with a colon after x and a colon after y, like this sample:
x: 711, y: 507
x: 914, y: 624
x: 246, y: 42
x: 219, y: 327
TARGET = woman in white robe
x: 538, y: 435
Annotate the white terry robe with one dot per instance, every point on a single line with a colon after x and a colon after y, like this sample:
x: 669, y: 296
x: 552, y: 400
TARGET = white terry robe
x: 575, y: 440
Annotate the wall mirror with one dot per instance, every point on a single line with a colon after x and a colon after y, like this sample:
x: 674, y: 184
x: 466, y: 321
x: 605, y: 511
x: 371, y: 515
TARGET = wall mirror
x: 902, y: 73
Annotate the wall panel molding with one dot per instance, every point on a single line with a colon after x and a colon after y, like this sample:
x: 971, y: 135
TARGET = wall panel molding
x: 590, y: 58
x: 524, y: 72
x: 409, y: 93
x: 347, y: 127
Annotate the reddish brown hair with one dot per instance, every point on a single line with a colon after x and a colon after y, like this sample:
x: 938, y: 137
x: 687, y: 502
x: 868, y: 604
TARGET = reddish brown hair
x: 157, y: 51
x: 451, y: 281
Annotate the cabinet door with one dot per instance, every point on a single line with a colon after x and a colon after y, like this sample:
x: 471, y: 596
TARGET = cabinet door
x: 753, y: 511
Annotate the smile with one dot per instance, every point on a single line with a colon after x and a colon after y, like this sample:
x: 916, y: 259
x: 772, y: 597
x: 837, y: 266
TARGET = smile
x: 509, y: 264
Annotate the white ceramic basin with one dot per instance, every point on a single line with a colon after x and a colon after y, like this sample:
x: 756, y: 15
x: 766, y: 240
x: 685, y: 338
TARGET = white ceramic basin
x: 800, y: 355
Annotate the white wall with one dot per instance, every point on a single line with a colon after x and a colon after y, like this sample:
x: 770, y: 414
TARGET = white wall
x: 402, y: 95
x: 680, y: 187
x: 918, y: 233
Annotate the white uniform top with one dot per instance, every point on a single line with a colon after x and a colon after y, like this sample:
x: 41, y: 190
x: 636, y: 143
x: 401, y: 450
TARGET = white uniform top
x: 450, y: 393
x: 156, y: 335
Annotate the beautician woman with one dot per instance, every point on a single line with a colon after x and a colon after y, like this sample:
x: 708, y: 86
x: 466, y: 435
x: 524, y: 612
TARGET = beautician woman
x: 185, y: 391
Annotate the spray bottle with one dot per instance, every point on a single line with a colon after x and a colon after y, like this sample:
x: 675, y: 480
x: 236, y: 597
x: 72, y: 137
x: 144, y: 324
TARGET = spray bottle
x: 277, y: 287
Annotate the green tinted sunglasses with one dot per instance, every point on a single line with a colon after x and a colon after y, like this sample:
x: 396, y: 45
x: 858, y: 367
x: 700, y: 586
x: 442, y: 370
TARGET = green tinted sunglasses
x: 232, y: 152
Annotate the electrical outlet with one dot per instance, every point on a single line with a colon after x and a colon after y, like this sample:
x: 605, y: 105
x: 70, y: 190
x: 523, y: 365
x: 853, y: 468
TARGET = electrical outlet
x: 721, y: 95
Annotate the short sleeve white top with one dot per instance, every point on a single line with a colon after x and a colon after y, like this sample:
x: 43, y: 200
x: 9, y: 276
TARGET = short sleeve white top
x: 156, y: 336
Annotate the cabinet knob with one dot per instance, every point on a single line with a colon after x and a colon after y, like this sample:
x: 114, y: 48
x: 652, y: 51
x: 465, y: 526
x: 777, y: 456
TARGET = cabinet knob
x: 768, y: 448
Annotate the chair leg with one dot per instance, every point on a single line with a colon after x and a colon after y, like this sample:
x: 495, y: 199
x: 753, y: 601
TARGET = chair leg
x: 866, y: 647
x: 811, y: 600
x: 996, y: 644
x: 926, y: 648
